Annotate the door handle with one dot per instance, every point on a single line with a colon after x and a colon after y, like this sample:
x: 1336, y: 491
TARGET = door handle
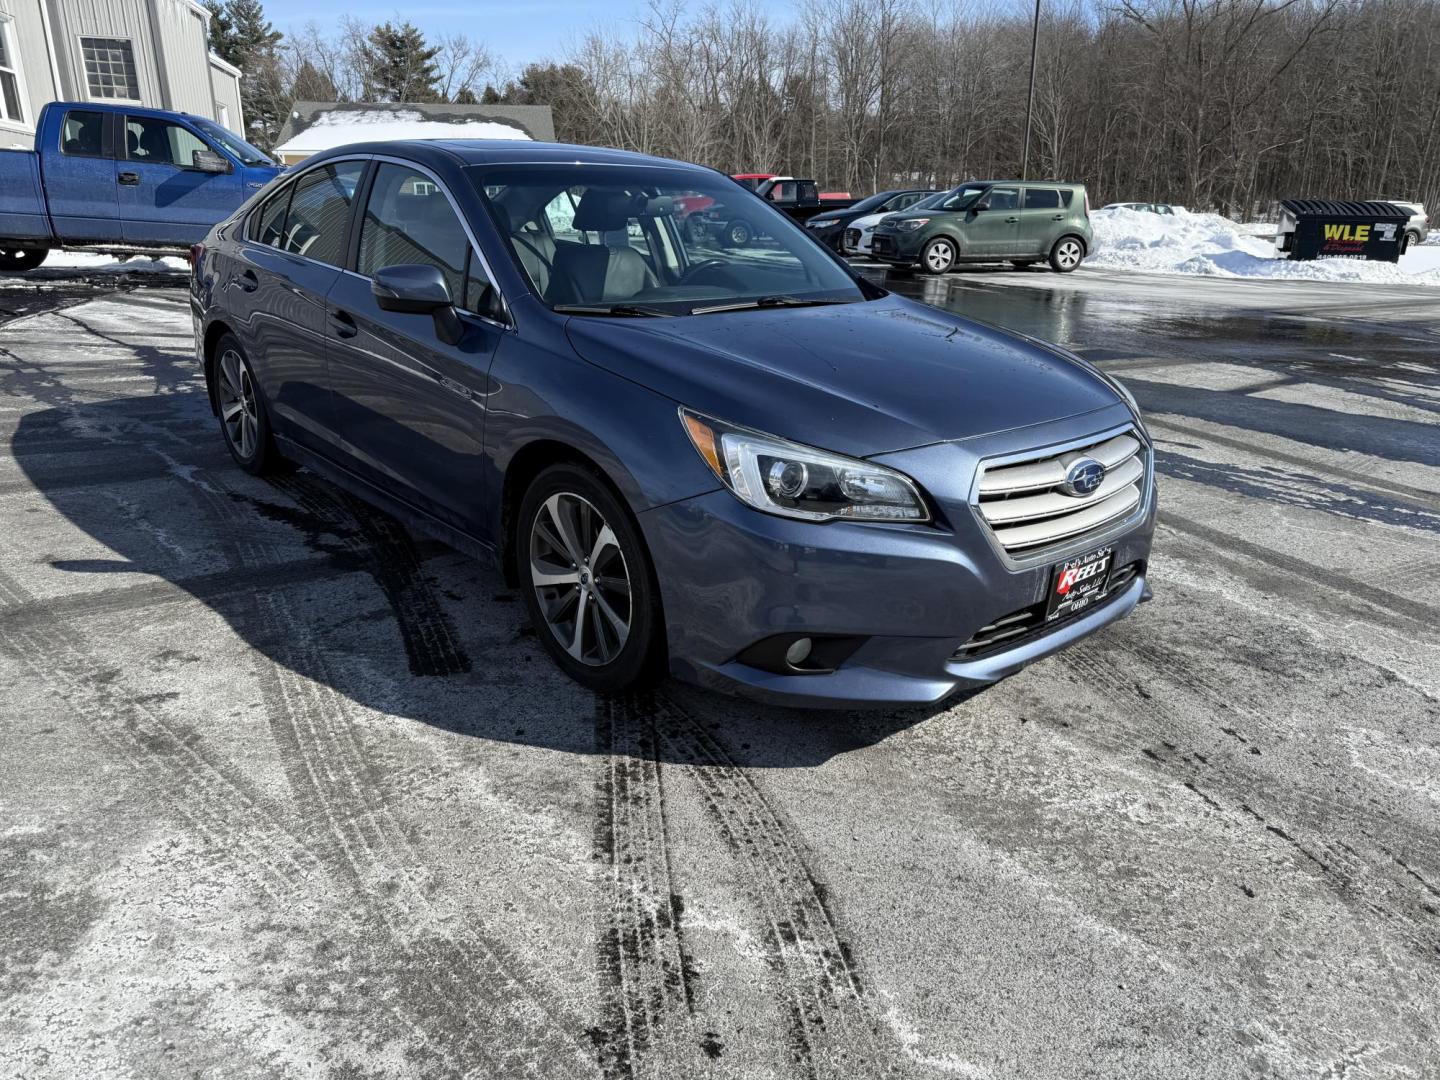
x: 1012, y: 219
x: 343, y: 324
x: 129, y: 178
x: 248, y: 281
x: 1057, y: 217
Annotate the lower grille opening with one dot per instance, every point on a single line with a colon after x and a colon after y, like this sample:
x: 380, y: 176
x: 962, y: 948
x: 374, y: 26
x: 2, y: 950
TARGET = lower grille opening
x: 1029, y: 622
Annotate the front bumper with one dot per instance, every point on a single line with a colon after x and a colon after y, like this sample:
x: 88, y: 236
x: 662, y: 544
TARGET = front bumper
x: 903, y: 248
x: 731, y: 576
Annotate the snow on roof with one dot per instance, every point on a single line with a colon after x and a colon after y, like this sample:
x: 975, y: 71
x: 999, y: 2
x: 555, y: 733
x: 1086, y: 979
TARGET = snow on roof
x: 384, y: 125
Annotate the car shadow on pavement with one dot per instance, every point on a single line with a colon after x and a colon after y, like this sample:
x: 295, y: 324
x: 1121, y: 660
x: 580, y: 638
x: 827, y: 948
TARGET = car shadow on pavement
x: 324, y: 590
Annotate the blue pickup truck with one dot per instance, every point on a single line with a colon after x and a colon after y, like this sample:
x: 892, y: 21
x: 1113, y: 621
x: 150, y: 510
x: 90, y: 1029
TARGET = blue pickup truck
x: 121, y: 180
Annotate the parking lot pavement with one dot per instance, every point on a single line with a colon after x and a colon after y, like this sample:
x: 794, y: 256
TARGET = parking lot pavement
x: 286, y: 792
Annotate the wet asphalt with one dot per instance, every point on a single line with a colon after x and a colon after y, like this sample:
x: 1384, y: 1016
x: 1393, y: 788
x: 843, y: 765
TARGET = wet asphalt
x: 285, y: 791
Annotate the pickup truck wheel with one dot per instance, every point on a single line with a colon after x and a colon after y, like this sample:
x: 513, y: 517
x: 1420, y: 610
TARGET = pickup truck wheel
x: 244, y: 422
x: 18, y: 260
x: 1065, y: 256
x: 939, y: 256
x: 738, y: 233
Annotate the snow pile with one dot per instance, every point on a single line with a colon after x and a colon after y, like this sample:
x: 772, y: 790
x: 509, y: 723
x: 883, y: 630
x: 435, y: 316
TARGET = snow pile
x: 385, y: 125
x: 1214, y: 246
x: 86, y: 260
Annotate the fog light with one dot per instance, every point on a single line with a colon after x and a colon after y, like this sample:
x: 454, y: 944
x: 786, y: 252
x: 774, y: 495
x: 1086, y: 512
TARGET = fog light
x: 798, y: 652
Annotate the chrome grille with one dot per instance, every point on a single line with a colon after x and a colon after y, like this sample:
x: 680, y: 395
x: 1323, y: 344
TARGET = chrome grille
x: 852, y: 236
x: 1025, y: 507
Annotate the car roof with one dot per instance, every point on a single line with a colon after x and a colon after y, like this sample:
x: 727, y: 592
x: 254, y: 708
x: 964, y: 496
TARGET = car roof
x: 505, y: 152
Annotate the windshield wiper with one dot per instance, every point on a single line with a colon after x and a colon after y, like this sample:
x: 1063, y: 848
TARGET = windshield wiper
x: 621, y: 310
x: 766, y: 301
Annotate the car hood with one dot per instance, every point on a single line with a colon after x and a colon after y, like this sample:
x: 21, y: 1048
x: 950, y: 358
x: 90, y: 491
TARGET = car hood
x: 867, y: 221
x: 860, y: 379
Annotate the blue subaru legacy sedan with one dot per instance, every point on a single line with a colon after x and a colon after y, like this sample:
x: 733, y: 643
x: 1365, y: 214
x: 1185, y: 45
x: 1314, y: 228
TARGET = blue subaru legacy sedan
x: 750, y: 468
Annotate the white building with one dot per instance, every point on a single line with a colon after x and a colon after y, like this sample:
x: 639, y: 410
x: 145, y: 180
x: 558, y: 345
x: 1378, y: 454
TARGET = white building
x: 143, y: 52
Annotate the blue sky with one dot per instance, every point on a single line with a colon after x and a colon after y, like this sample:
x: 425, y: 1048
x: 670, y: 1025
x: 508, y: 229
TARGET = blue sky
x: 516, y: 33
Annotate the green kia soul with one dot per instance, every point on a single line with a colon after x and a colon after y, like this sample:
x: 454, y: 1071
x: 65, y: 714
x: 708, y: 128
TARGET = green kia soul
x: 1022, y: 222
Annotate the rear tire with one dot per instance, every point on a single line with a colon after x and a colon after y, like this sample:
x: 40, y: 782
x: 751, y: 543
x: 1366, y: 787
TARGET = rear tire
x: 588, y: 581
x: 19, y: 260
x: 1411, y: 239
x: 939, y: 256
x: 1067, y: 254
x: 244, y: 419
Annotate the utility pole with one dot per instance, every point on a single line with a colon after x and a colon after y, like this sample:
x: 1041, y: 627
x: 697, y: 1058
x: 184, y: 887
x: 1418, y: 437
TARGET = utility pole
x: 1030, y: 101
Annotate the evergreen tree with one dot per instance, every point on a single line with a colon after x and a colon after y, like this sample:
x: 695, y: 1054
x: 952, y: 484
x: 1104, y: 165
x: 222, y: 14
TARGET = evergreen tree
x: 400, y: 66
x: 466, y: 96
x: 312, y: 84
x: 241, y: 35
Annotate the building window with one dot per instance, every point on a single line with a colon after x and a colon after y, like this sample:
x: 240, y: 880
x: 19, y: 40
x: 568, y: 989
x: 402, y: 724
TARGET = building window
x: 222, y: 114
x: 10, y: 83
x: 110, y: 68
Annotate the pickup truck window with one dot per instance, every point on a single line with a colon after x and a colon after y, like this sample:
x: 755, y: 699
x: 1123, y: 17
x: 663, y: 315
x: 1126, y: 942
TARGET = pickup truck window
x: 152, y: 141
x: 228, y: 140
x: 82, y: 133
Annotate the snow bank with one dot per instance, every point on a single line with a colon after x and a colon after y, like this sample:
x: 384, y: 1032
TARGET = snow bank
x: 1213, y: 246
x: 384, y: 125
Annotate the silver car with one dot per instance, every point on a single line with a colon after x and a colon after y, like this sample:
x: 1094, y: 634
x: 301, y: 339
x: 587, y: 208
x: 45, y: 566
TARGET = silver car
x: 1418, y: 227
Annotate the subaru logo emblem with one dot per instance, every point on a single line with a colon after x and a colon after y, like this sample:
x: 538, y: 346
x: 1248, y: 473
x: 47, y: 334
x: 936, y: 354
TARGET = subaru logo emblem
x: 1083, y: 477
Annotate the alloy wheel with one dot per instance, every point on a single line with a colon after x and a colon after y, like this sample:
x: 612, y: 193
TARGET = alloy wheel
x: 939, y: 256
x: 238, y: 410
x: 580, y: 579
x: 1069, y: 254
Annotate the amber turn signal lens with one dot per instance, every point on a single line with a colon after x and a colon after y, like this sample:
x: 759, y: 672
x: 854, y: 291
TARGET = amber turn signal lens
x: 706, y: 442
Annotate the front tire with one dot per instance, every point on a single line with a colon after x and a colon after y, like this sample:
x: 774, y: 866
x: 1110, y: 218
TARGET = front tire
x: 19, y: 260
x: 588, y: 581
x: 244, y: 421
x: 738, y: 233
x: 939, y: 256
x: 1067, y: 254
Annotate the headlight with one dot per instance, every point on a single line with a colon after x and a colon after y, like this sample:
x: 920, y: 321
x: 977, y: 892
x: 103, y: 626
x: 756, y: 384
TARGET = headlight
x: 796, y: 481
x: 911, y: 224
x: 818, y: 223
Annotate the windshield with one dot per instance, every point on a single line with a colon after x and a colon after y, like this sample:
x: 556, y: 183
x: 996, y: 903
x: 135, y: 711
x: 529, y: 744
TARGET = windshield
x: 645, y: 241
x: 958, y: 198
x: 247, y: 154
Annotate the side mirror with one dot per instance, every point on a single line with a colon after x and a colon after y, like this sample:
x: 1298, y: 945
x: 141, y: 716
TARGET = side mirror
x: 418, y: 289
x: 209, y: 161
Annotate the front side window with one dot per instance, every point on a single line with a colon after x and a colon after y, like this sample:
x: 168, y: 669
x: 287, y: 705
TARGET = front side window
x: 408, y: 219
x: 961, y: 198
x: 151, y: 141
x: 10, y: 107
x: 316, y: 224
x: 604, y: 235
x: 1003, y: 198
x: 83, y: 133
x: 110, y: 68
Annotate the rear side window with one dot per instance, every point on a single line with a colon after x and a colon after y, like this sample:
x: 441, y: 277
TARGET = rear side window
x: 268, y: 225
x: 1042, y: 199
x: 409, y: 220
x: 83, y: 133
x: 319, y: 213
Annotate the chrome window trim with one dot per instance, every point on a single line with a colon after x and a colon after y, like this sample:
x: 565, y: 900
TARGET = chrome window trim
x: 1058, y: 552
x: 290, y: 181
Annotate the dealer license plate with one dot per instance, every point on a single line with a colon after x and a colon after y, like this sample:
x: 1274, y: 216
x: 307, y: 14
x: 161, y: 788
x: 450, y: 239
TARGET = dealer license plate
x: 1076, y: 584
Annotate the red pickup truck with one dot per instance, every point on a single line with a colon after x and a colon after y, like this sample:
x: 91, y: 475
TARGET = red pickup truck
x: 800, y: 199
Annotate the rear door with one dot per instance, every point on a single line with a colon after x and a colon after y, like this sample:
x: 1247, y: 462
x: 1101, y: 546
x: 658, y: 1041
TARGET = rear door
x: 296, y: 242
x: 164, y: 198
x: 993, y: 230
x: 409, y: 407
x: 79, y: 177
x: 1042, y: 219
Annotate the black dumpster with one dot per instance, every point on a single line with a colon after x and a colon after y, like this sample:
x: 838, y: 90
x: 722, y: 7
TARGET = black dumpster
x: 1326, y: 228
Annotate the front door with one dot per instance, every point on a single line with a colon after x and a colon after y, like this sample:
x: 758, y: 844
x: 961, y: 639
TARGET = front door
x: 409, y: 408
x: 164, y: 198
x: 994, y: 225
x: 80, y: 186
